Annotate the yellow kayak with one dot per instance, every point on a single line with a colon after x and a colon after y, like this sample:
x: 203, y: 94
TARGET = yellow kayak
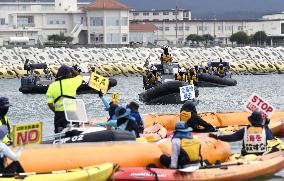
x: 97, y: 172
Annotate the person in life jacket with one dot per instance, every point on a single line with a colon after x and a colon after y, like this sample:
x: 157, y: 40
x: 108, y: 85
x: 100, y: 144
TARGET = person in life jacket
x: 151, y: 79
x: 254, y: 137
x: 134, y: 106
x: 7, y: 152
x: 196, y: 69
x: 192, y: 77
x: 189, y: 116
x: 67, y: 82
x: 4, y: 108
x: 221, y: 71
x: 185, y: 149
x: 166, y: 60
x: 206, y: 70
x: 122, y: 121
x: 181, y: 75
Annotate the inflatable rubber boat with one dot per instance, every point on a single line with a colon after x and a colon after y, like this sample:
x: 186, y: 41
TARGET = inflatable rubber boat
x: 47, y: 157
x: 32, y: 84
x: 208, y: 80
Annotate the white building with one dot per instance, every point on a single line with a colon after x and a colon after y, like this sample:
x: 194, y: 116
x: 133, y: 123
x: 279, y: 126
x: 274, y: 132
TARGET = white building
x: 159, y: 15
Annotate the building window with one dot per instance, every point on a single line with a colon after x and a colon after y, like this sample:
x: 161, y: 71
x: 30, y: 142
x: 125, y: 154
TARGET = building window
x: 135, y: 14
x: 124, y: 38
x: 240, y: 28
x: 166, y: 13
x: 282, y: 28
x: 97, y: 38
x: 56, y: 20
x: 205, y: 27
x: 167, y: 28
x: 175, y: 13
x: 25, y: 21
x: 124, y: 21
x: 146, y: 14
x: 113, y: 37
x: 220, y: 27
x: 186, y: 28
x: 156, y: 13
x: 200, y: 28
x: 112, y: 21
x: 96, y: 21
x: 228, y: 28
x: 180, y: 28
x: 161, y: 28
x: 2, y: 21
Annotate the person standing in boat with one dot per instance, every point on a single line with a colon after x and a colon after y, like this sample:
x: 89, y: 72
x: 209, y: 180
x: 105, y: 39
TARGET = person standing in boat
x: 67, y: 82
x: 181, y: 75
x: 185, y: 149
x: 221, y: 70
x: 4, y: 108
x: 166, y: 60
x: 254, y: 137
x: 122, y: 121
x: 151, y: 78
x: 7, y: 152
x: 188, y: 114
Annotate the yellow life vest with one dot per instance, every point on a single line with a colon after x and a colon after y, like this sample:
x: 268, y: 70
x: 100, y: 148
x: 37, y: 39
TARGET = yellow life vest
x: 180, y: 78
x: 254, y: 140
x: 185, y: 116
x: 7, y: 138
x: 192, y: 148
x: 221, y: 71
x: 153, y: 79
x: 193, y: 78
x: 166, y: 58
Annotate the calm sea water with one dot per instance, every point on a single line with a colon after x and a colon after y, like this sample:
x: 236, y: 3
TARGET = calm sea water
x: 33, y: 107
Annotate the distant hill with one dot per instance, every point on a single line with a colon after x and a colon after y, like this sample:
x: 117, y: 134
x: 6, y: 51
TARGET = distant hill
x: 210, y: 9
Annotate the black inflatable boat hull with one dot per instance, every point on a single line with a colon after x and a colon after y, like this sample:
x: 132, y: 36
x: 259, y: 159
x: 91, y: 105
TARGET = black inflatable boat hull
x: 206, y: 80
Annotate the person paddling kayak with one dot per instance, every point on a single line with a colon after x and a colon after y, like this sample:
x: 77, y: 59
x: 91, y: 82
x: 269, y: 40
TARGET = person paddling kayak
x: 254, y: 136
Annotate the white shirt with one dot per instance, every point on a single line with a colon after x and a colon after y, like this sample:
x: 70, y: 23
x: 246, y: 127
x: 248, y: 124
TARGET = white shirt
x: 6, y: 151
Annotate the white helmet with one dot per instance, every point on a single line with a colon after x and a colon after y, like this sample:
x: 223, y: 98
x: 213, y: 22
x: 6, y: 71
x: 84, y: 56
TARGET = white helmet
x: 165, y: 46
x: 182, y: 70
x: 153, y: 68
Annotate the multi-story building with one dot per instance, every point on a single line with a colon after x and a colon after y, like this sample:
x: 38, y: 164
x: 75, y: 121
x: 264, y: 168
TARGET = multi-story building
x: 107, y: 22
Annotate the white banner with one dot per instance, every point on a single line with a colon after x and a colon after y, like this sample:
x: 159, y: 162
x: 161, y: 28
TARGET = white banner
x: 187, y: 92
x: 256, y: 103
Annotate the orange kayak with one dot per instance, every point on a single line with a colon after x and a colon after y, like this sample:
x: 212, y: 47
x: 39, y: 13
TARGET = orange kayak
x: 230, y: 171
x: 44, y: 158
x: 216, y: 119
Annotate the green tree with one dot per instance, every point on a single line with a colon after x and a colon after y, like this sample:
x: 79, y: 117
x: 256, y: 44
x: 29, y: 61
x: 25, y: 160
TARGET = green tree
x: 240, y: 37
x: 68, y: 39
x: 207, y: 37
x: 53, y: 38
x: 260, y: 37
x: 194, y: 37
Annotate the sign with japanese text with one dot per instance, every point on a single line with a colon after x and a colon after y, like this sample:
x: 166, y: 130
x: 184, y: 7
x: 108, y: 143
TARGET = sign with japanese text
x: 187, y: 92
x: 115, y: 97
x: 26, y: 134
x: 98, y: 82
x: 256, y: 103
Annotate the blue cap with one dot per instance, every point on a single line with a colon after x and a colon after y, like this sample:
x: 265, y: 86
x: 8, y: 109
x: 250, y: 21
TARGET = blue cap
x: 4, y: 102
x: 3, y: 131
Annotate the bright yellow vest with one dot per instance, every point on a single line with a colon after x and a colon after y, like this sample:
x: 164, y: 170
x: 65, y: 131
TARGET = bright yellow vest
x: 185, y: 116
x: 8, y: 136
x: 193, y: 78
x: 166, y: 58
x: 69, y: 88
x: 180, y: 78
x: 221, y: 71
x: 153, y: 79
x: 192, y: 148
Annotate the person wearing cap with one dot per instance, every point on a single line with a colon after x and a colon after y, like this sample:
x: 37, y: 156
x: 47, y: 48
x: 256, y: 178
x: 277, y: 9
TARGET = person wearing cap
x: 189, y: 116
x: 7, y: 152
x: 122, y: 121
x: 185, y: 149
x: 67, y: 82
x: 192, y: 77
x: 166, y: 60
x: 134, y: 106
x: 181, y: 75
x: 254, y: 136
x: 4, y: 108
